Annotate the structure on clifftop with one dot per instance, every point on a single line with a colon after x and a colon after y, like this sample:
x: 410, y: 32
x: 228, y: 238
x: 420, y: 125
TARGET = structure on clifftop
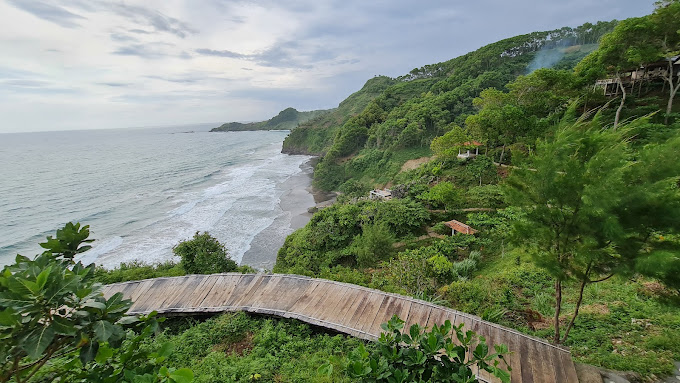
x: 459, y: 227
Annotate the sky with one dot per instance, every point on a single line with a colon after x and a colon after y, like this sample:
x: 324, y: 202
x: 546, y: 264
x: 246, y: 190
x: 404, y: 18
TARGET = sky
x: 93, y: 64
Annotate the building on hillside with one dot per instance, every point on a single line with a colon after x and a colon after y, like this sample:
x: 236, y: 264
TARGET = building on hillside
x: 384, y: 194
x: 469, y: 145
x: 459, y: 227
x: 646, y: 74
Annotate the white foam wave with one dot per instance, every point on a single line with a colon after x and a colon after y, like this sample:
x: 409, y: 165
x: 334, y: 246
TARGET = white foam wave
x: 243, y: 203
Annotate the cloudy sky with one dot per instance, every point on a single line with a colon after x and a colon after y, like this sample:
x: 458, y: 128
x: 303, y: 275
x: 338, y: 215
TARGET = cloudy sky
x: 83, y: 64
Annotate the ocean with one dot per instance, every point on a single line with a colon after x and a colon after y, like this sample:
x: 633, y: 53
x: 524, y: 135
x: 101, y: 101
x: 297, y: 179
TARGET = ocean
x: 144, y: 190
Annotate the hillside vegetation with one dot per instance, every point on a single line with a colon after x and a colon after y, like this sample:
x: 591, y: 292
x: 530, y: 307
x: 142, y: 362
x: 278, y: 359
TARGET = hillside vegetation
x: 574, y: 198
x: 287, y: 119
x: 575, y: 193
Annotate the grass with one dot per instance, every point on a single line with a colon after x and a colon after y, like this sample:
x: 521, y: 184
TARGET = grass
x: 242, y: 348
x: 624, y: 324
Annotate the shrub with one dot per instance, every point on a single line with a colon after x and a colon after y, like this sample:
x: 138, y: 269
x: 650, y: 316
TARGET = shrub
x: 442, y: 229
x: 54, y: 317
x: 203, y: 254
x: 374, y: 244
x: 422, y: 356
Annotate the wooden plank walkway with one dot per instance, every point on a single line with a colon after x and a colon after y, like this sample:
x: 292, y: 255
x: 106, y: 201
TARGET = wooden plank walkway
x: 346, y: 308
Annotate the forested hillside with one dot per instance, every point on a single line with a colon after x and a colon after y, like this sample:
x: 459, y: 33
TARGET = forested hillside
x: 573, y: 198
x: 545, y: 198
x: 388, y: 116
x: 287, y: 119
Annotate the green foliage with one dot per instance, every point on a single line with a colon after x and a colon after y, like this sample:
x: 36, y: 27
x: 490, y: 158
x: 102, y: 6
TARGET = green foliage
x: 588, y: 201
x: 448, y: 145
x: 51, y: 307
x: 374, y: 244
x: 137, y: 270
x: 442, y: 229
x: 426, y: 268
x: 325, y: 240
x: 663, y: 264
x: 203, y: 254
x: 238, y: 348
x: 443, y: 354
x: 287, y: 119
x: 443, y: 194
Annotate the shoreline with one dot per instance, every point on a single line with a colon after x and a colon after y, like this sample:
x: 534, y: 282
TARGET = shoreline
x: 297, y: 198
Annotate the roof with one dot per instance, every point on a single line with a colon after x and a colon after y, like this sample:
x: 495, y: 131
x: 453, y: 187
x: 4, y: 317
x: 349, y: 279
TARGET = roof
x: 382, y: 193
x: 460, y: 227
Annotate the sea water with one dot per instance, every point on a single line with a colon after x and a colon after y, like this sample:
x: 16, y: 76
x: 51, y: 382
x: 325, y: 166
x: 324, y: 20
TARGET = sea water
x: 142, y: 191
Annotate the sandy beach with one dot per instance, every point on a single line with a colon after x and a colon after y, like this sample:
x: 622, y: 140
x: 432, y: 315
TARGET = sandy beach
x: 298, y: 196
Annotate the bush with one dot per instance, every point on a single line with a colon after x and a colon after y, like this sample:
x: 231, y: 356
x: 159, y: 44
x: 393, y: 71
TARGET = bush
x: 374, y: 244
x: 442, y: 229
x: 55, y: 322
x: 137, y: 270
x: 422, y: 356
x: 203, y: 254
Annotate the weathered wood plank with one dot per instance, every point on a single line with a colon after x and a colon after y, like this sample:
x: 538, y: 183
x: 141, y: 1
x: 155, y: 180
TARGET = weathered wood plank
x: 568, y: 366
x: 202, y: 291
x: 373, y: 307
x: 513, y: 359
x: 354, y: 310
x: 391, y: 306
x: 418, y: 314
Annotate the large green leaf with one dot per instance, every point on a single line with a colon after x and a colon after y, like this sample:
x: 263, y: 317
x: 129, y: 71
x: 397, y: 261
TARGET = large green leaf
x: 88, y: 352
x: 103, y: 330
x: 182, y: 375
x: 37, y: 341
x: 95, y: 304
x: 41, y: 279
x: 8, y: 317
x: 63, y: 326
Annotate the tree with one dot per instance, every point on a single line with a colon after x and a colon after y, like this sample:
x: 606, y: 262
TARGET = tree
x: 443, y: 194
x: 667, y: 43
x: 448, y: 145
x: 51, y: 308
x: 500, y: 120
x: 204, y: 254
x: 591, y: 203
x: 374, y: 244
x: 627, y: 47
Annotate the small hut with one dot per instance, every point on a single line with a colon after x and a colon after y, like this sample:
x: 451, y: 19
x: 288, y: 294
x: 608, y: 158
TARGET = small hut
x: 377, y: 194
x: 459, y: 227
x: 468, y: 145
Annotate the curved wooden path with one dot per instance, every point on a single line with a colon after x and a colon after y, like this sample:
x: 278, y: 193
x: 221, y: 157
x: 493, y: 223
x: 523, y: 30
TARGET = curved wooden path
x: 346, y: 308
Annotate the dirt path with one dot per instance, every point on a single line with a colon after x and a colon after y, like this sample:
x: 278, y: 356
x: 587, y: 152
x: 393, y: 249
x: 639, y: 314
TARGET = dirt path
x: 413, y: 164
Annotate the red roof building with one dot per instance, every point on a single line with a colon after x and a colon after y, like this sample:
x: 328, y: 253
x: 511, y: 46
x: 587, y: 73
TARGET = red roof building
x: 460, y: 227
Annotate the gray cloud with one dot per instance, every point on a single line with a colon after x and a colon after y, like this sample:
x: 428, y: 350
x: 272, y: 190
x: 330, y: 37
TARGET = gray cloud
x: 224, y: 53
x: 140, y: 31
x: 57, y: 13
x: 287, y: 54
x: 153, y: 18
x: 116, y: 84
x: 122, y: 37
x: 49, y: 12
x: 150, y: 51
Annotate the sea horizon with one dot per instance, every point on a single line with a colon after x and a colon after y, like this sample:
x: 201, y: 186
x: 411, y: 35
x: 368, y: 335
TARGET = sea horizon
x: 143, y: 190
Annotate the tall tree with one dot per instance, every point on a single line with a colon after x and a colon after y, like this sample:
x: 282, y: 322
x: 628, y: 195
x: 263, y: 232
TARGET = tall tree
x: 591, y: 204
x: 666, y: 21
x: 625, y: 49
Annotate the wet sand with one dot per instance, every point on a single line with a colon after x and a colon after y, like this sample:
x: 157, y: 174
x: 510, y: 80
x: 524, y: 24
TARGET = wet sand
x: 298, y: 196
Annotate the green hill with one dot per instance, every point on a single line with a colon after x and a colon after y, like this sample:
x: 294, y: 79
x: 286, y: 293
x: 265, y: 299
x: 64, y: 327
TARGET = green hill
x: 392, y: 120
x: 287, y: 119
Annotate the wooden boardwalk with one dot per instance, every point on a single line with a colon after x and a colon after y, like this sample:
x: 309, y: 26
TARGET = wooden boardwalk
x: 346, y: 308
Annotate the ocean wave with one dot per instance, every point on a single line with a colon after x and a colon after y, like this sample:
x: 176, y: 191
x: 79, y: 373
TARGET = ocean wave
x: 243, y: 203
